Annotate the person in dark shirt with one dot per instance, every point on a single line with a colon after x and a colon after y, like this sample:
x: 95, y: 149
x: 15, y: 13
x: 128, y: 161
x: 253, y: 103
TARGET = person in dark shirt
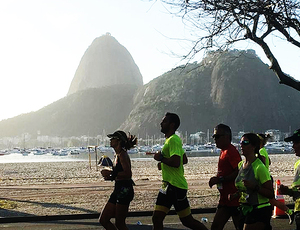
x: 118, y: 203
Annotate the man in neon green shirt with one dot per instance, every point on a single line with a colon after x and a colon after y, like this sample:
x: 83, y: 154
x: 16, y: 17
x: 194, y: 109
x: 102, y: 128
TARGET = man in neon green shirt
x: 295, y: 187
x: 174, y: 187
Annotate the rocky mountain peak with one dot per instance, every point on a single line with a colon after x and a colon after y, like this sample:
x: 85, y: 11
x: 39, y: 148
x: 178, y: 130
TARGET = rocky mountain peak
x: 105, y: 63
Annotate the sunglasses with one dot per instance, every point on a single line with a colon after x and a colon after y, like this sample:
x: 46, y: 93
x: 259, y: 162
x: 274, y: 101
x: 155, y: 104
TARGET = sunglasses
x: 217, y: 136
x: 244, y: 142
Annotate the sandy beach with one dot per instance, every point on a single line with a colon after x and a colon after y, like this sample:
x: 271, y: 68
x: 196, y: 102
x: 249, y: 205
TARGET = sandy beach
x: 56, y: 188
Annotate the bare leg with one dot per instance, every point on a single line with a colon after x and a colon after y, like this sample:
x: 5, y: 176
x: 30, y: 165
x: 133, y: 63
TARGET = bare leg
x: 107, y: 213
x: 235, y: 220
x: 121, y: 214
x: 158, y: 219
x: 192, y: 223
x: 221, y: 217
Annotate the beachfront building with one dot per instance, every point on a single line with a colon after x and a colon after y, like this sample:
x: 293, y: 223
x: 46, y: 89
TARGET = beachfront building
x: 197, y: 138
x: 275, y: 134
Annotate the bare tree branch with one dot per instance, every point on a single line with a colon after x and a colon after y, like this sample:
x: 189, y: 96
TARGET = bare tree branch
x: 224, y: 22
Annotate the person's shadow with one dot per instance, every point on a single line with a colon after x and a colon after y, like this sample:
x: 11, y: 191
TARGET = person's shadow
x: 12, y: 213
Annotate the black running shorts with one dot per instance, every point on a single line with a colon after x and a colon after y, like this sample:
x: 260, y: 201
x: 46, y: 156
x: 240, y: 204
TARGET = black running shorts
x: 173, y: 196
x: 123, y: 192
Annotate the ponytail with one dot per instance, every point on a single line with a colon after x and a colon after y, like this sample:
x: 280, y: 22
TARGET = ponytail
x: 264, y: 138
x: 131, y: 142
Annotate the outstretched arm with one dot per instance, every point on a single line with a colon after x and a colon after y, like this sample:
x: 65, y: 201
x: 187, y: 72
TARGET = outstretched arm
x: 285, y: 190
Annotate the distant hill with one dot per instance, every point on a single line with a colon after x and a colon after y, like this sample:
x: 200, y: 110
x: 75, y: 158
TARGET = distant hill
x: 86, y: 112
x: 235, y: 88
x: 106, y: 62
x: 100, y: 96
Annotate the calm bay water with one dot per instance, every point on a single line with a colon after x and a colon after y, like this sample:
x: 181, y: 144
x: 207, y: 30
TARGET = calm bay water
x: 19, y: 158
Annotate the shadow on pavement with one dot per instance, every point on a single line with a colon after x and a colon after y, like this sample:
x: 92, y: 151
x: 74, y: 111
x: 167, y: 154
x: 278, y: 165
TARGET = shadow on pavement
x: 11, y: 213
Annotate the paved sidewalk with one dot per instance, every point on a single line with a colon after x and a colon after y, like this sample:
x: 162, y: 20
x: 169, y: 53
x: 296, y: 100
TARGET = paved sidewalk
x: 171, y: 222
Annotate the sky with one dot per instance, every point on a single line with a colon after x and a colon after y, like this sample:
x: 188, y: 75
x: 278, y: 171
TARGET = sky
x: 43, y: 41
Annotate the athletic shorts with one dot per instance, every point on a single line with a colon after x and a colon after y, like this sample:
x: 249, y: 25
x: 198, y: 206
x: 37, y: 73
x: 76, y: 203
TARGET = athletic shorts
x: 123, y: 192
x: 258, y: 215
x: 173, y: 196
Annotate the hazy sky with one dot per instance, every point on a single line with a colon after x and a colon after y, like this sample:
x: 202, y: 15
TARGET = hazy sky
x: 42, y: 42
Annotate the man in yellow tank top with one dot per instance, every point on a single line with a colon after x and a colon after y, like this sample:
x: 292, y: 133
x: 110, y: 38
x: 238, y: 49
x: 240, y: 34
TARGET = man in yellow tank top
x: 174, y: 186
